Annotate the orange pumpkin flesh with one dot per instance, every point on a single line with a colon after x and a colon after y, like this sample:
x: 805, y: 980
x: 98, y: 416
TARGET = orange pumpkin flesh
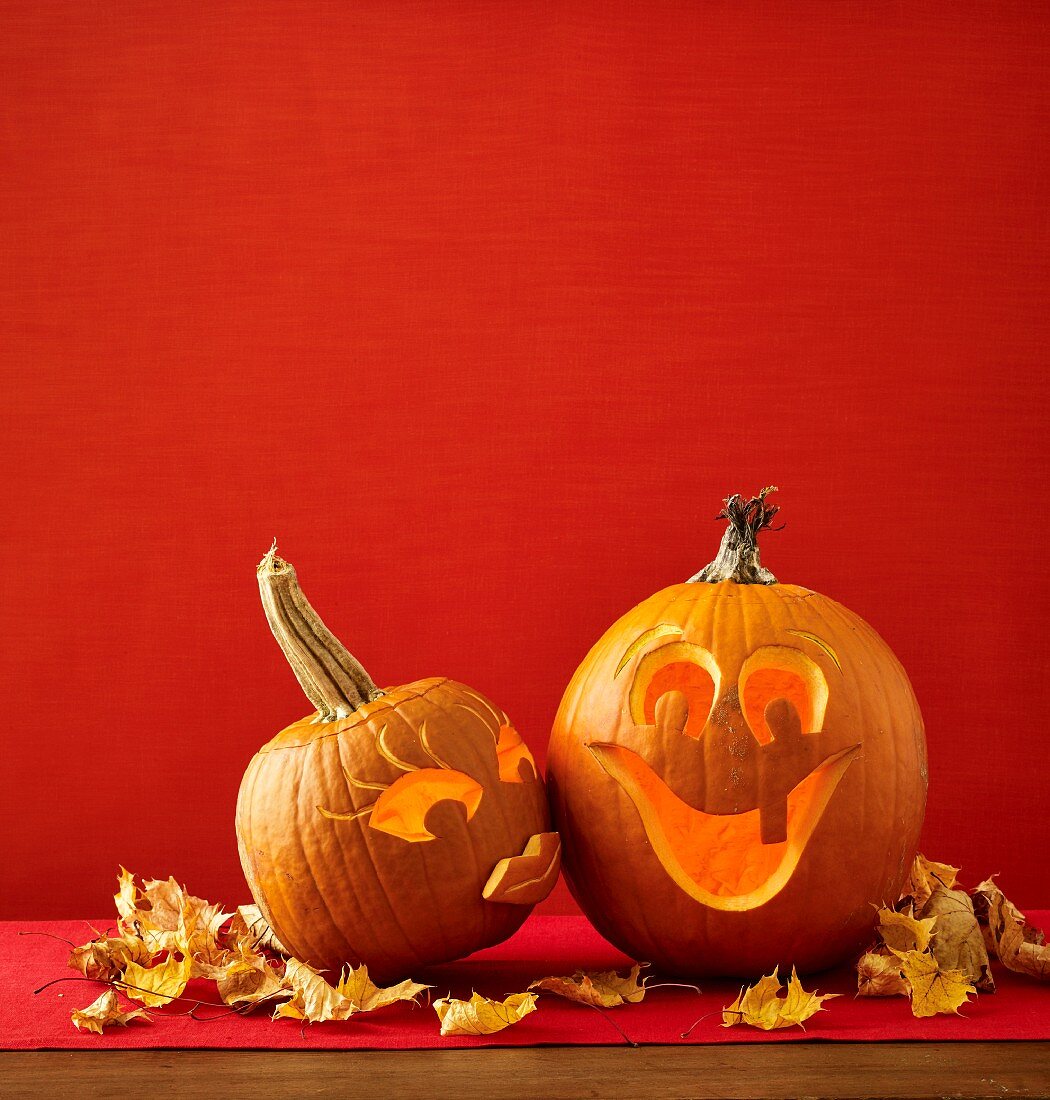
x: 398, y: 828
x: 738, y: 774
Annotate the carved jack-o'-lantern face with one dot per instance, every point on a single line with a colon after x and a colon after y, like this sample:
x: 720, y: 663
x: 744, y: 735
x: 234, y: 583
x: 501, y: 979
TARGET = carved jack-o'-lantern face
x: 779, y: 769
x: 737, y: 772
x: 396, y: 828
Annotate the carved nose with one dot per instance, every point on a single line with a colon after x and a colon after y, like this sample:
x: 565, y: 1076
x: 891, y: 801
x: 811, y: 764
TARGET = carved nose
x: 785, y: 760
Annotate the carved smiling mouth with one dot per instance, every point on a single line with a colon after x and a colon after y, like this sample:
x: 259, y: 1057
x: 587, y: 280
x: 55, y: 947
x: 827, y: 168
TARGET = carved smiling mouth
x: 720, y: 859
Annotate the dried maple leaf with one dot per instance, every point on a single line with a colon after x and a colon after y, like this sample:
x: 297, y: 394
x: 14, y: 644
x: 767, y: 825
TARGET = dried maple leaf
x: 761, y: 1005
x: 249, y: 924
x: 106, y: 957
x: 959, y: 944
x: 903, y: 931
x: 600, y: 988
x: 313, y: 998
x: 359, y: 989
x: 880, y: 975
x: 1019, y: 946
x: 165, y: 917
x: 249, y: 979
x: 480, y: 1016
x: 933, y: 990
x: 158, y: 984
x: 105, y: 1012
x: 925, y: 876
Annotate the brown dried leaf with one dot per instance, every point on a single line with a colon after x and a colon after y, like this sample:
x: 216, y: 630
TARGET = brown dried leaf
x: 248, y: 978
x: 600, y: 988
x: 249, y: 924
x: 880, y: 975
x: 313, y: 998
x: 958, y: 943
x: 933, y: 990
x: 925, y: 876
x: 762, y: 1006
x: 1019, y: 946
x: 359, y: 989
x: 480, y: 1016
x: 105, y: 958
x: 903, y: 931
x: 105, y: 1012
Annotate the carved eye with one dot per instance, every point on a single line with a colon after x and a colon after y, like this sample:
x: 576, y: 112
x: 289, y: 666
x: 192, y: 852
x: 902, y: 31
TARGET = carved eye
x: 401, y: 810
x: 780, y: 672
x: 677, y: 666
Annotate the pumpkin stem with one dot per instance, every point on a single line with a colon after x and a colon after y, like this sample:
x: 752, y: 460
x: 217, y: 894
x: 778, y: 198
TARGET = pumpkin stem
x: 738, y: 557
x: 334, y: 681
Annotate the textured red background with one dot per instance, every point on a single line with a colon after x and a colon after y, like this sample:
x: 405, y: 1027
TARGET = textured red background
x: 481, y: 308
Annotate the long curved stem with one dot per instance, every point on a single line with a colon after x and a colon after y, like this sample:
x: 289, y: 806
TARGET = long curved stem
x: 334, y: 680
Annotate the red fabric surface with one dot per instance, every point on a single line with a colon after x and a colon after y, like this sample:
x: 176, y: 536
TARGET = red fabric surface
x: 1020, y: 1009
x: 481, y: 308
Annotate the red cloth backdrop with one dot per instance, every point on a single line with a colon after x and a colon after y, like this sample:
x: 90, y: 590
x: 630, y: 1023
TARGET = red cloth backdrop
x: 481, y: 308
x: 544, y: 946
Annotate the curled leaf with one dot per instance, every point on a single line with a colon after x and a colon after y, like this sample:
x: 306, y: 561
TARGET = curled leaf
x: 105, y: 958
x: 903, y: 931
x: 1019, y: 946
x: 249, y: 924
x: 761, y: 1005
x: 602, y: 989
x: 958, y: 944
x: 933, y: 990
x: 880, y: 975
x: 158, y: 984
x: 248, y: 978
x: 105, y: 1012
x: 359, y: 989
x: 480, y: 1016
x: 313, y: 999
x: 925, y: 876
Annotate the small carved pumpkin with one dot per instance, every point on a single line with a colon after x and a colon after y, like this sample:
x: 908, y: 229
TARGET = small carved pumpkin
x: 738, y: 771
x: 396, y: 828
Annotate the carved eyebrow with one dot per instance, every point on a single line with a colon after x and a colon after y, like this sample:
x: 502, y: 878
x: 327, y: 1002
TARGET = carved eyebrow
x: 661, y: 630
x: 826, y: 646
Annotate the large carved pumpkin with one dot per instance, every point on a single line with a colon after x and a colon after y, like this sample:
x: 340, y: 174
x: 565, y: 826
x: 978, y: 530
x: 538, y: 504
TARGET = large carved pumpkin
x: 397, y: 828
x: 738, y: 771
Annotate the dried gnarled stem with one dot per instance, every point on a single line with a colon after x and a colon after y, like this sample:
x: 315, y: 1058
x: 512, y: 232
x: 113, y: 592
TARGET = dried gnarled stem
x: 738, y: 557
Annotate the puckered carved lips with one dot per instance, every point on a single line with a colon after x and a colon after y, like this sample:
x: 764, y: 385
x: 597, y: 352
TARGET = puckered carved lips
x: 740, y: 860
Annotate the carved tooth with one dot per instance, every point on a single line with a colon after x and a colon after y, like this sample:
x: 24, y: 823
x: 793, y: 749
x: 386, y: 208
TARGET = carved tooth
x: 774, y: 821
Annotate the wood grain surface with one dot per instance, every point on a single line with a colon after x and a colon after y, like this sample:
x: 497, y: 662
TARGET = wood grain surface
x: 811, y: 1070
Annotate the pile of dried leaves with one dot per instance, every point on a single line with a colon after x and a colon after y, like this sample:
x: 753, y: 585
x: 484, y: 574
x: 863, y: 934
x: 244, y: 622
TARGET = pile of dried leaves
x: 933, y: 944
x: 165, y: 937
x: 933, y: 947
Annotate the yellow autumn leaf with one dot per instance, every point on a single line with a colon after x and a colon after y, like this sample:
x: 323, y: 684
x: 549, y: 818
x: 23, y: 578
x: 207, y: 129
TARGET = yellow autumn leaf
x: 313, y: 998
x: 1019, y: 946
x: 762, y: 1006
x: 904, y: 931
x: 880, y: 975
x: 933, y: 989
x: 600, y: 988
x: 959, y: 944
x: 359, y: 989
x: 105, y: 1012
x: 106, y: 957
x: 157, y: 985
x: 925, y: 875
x: 480, y: 1016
